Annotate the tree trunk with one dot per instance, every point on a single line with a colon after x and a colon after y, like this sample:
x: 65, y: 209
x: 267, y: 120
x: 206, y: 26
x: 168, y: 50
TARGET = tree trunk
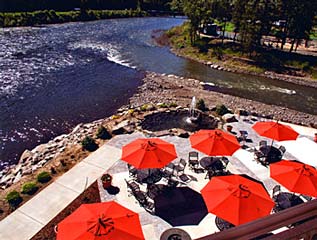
x: 234, y: 36
x: 223, y: 32
x: 292, y: 46
x: 306, y: 43
x: 297, y: 43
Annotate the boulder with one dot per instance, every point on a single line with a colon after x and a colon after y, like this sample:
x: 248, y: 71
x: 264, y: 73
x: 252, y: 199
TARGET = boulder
x: 183, y: 134
x: 229, y: 118
x: 122, y: 128
x: 74, y: 130
x: 27, y: 171
x: 27, y: 154
x: 17, y: 177
x: 241, y: 112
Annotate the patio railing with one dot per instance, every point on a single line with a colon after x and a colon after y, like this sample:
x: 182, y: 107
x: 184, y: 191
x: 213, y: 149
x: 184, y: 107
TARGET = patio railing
x: 306, y: 230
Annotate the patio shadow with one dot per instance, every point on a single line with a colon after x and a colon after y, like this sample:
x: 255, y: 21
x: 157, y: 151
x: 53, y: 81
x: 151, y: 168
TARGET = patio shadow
x: 180, y: 206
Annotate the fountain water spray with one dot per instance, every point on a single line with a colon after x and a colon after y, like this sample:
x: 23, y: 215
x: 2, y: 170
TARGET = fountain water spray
x: 192, y: 115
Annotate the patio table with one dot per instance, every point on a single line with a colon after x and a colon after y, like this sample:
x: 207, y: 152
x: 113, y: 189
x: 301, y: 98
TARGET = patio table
x: 140, y: 196
x: 271, y: 154
x: 286, y: 200
x: 223, y: 224
x: 211, y: 163
x: 175, y: 234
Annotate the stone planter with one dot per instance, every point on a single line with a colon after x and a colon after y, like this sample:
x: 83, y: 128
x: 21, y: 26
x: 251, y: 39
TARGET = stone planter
x: 106, y: 180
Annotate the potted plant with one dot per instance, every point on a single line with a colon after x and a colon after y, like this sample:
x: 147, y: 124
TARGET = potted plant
x: 229, y: 128
x: 106, y: 180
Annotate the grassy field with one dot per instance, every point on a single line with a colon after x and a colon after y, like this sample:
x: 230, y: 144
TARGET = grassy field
x: 231, y: 54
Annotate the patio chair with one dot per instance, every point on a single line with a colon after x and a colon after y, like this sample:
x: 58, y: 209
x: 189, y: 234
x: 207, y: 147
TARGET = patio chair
x: 210, y: 173
x: 225, y: 161
x: 243, y: 135
x: 132, y: 186
x: 276, y: 190
x: 193, y: 160
x: 199, y: 170
x: 263, y: 143
x: 141, y: 197
x: 167, y: 173
x: 149, y: 207
x: 172, y: 182
x: 282, y: 149
x: 307, y: 198
x: 170, y: 166
x: 184, y: 178
x: 181, y: 166
x: 132, y: 171
x: 258, y: 155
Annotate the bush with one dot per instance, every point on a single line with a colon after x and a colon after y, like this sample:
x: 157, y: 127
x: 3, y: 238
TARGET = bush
x: 14, y: 199
x: 44, y: 177
x: 173, y: 104
x: 222, y: 110
x: 89, y: 144
x: 29, y: 188
x: 103, y: 133
x: 163, y: 105
x: 144, y: 107
x: 201, y: 105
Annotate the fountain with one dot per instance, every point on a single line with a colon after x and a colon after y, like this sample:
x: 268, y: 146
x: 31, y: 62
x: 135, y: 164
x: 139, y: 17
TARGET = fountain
x: 189, y: 120
x: 193, y: 116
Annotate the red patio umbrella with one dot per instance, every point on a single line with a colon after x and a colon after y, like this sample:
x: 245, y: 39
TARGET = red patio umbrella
x: 148, y: 153
x: 275, y: 131
x: 108, y: 220
x: 214, y: 142
x: 237, y: 198
x: 295, y: 176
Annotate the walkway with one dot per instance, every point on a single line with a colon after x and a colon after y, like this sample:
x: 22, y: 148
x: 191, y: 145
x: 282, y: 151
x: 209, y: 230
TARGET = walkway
x: 31, y: 217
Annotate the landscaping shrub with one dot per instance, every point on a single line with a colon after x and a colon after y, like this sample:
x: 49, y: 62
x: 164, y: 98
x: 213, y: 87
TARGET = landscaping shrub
x: 14, y: 199
x: 143, y: 108
x: 103, y: 133
x: 173, y: 104
x: 89, y: 144
x: 29, y: 188
x: 222, y: 110
x: 201, y: 105
x: 44, y: 177
x: 163, y: 105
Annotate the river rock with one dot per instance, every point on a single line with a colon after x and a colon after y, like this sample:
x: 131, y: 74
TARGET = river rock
x: 229, y: 118
x: 76, y: 128
x: 17, y: 177
x: 26, y: 155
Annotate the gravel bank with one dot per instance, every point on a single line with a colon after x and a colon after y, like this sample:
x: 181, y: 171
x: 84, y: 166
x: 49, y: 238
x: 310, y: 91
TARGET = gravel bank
x: 161, y: 88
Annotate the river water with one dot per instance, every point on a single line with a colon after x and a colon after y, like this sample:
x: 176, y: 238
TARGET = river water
x: 54, y: 77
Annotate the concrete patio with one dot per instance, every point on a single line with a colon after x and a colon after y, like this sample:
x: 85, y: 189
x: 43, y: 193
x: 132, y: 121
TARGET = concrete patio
x: 27, y: 220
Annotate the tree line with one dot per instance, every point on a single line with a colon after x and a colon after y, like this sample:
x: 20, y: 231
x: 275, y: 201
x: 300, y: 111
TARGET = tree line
x: 292, y: 20
x: 68, y: 5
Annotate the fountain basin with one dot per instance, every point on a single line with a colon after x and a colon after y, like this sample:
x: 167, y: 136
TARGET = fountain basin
x: 161, y: 121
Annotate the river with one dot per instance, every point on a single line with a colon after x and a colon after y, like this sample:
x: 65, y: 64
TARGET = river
x: 54, y: 77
